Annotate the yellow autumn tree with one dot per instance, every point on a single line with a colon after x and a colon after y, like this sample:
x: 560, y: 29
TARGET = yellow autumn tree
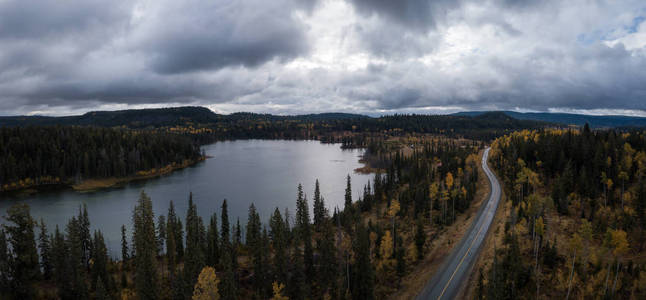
x: 278, y: 291
x: 206, y: 287
x: 449, y: 180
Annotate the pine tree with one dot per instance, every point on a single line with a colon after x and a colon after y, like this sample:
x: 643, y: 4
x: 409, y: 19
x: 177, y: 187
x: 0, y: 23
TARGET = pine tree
x: 76, y: 272
x: 320, y: 212
x: 4, y: 264
x: 146, y: 248
x: 328, y: 268
x: 227, y: 287
x: 279, y: 244
x: 363, y: 271
x: 304, y: 236
x: 25, y: 269
x: 85, y: 235
x: 44, y: 247
x: 61, y: 267
x: 253, y: 243
x: 161, y: 234
x: 124, y: 244
x: 213, y: 242
x: 100, y: 260
x: 194, y: 260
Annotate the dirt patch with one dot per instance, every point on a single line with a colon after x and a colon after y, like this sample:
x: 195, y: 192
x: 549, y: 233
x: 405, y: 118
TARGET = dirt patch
x: 442, y: 244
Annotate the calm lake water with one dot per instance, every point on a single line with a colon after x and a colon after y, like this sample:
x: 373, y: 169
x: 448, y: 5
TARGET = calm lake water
x: 265, y: 172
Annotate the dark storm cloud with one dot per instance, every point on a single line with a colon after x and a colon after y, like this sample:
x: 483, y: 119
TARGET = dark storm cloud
x: 54, y: 18
x: 417, y: 14
x: 214, y: 34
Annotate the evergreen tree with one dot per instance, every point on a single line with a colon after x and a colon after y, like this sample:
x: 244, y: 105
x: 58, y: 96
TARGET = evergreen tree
x: 253, y: 243
x: 60, y: 264
x: 320, y: 212
x: 213, y: 242
x: 100, y: 275
x: 363, y: 271
x: 304, y: 236
x: 279, y: 244
x: 227, y: 287
x: 124, y: 244
x: 194, y: 260
x: 328, y: 268
x: 85, y: 235
x: 76, y: 272
x: 161, y: 234
x: 146, y: 248
x: 4, y: 264
x: 24, y: 266
x: 44, y: 247
x: 171, y: 247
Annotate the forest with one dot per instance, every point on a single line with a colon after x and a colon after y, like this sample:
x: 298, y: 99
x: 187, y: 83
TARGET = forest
x: 359, y: 252
x: 577, y: 219
x: 34, y: 156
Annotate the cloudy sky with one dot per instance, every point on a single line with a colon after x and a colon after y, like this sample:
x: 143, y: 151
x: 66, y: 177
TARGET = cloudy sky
x: 61, y: 57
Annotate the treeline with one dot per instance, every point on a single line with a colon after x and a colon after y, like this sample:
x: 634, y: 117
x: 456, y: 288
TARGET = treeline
x: 577, y: 224
x: 35, y: 155
x: 360, y: 252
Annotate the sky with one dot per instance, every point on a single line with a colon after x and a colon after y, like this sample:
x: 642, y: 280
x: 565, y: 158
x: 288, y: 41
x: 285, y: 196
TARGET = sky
x: 64, y: 57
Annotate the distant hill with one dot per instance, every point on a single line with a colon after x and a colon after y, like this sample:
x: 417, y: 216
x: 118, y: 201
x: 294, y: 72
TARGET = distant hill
x: 609, y: 121
x: 157, y: 117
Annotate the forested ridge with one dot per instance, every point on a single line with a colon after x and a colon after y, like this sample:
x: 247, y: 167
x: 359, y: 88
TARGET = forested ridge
x: 205, y: 126
x: 39, y: 155
x: 360, y: 252
x: 576, y: 227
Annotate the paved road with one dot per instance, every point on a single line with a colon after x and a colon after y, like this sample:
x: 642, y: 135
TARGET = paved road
x: 447, y: 281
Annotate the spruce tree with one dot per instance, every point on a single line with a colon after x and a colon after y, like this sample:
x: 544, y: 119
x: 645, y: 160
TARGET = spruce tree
x: 76, y: 272
x: 320, y: 212
x: 85, y: 235
x: 304, y: 236
x: 279, y: 244
x: 4, y: 264
x: 24, y: 266
x: 124, y: 245
x: 161, y: 234
x: 328, y: 268
x: 145, y: 248
x: 254, y: 243
x: 227, y: 287
x: 194, y: 260
x: 44, y: 247
x: 100, y: 263
x: 420, y: 238
x: 213, y: 242
x: 363, y: 271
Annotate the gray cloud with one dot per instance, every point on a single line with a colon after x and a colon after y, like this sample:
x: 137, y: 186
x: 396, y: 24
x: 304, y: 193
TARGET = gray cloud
x: 292, y: 56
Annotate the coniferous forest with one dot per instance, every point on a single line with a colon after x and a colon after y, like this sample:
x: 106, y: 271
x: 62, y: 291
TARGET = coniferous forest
x: 361, y: 251
x: 575, y: 228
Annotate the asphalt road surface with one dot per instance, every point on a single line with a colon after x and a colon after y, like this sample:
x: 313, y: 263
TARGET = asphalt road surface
x: 447, y: 281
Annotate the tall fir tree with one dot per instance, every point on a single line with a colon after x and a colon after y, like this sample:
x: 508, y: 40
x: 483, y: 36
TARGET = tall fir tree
x: 100, y: 276
x: 362, y: 270
x: 213, y: 242
x: 24, y: 266
x: 320, y: 212
x: 194, y: 260
x: 4, y: 264
x: 227, y: 287
x: 45, y: 248
x: 279, y: 244
x: 145, y: 245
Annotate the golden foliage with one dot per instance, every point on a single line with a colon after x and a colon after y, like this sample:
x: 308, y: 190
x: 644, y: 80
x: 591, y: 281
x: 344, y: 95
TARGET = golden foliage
x: 278, y: 291
x: 206, y: 287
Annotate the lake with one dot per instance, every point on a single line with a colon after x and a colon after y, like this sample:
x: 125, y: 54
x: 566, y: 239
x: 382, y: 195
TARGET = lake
x: 263, y: 172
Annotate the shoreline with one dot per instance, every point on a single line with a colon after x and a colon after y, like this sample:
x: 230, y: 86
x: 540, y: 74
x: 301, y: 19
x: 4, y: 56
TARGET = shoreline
x: 96, y: 184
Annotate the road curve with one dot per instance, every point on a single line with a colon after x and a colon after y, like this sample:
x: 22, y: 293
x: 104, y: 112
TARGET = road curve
x: 446, y: 282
